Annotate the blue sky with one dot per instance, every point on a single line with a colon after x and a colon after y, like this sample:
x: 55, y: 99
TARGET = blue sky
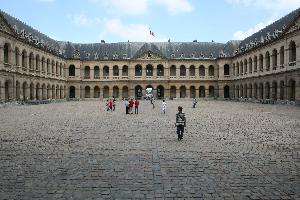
x: 90, y: 21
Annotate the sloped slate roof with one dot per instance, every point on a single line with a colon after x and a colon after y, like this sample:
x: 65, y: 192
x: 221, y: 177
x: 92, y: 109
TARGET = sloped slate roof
x: 20, y: 25
x: 131, y: 50
x: 277, y: 25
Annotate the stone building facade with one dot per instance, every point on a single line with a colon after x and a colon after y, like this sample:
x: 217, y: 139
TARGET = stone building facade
x: 265, y: 65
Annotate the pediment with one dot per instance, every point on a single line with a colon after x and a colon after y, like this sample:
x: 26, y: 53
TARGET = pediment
x: 4, y: 26
x: 149, y: 55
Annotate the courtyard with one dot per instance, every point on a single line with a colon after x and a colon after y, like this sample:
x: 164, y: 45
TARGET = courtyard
x: 76, y: 150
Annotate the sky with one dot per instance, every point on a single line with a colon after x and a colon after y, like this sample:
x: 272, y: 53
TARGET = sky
x: 90, y: 21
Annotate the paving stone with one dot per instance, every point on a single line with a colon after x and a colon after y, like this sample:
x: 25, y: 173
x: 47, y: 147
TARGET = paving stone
x: 76, y: 150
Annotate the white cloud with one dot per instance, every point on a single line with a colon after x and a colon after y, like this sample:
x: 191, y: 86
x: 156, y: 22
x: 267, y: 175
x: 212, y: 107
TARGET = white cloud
x: 176, y: 6
x: 83, y: 20
x: 240, y: 35
x: 138, y: 7
x: 274, y: 5
x: 131, y: 32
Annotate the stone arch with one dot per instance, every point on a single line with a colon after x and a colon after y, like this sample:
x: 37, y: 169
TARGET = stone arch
x: 226, y: 70
x: 116, y: 70
x: 96, y: 92
x: 72, y: 92
x: 281, y: 90
x: 182, y: 91
x: 160, y: 70
x: 24, y: 59
x: 202, y: 70
x: 57, y: 92
x: 237, y: 68
x: 105, y: 92
x: 267, y: 60
x: 160, y: 92
x: 192, y: 92
x: 241, y: 67
x: 43, y: 64
x: 53, y: 92
x: 48, y: 66
x: 182, y: 70
x: 96, y: 72
x: 116, y: 92
x: 125, y: 71
x: 31, y: 90
x: 49, y: 92
x: 238, y: 91
x: 211, y: 91
x: 255, y: 88
x: 267, y: 90
x: 250, y: 95
x: 292, y: 52
x: 173, y: 71
x: 202, y: 92
x: 37, y: 91
x: 44, y: 91
x: 149, y: 70
x: 25, y: 90
x: 87, y: 92
x: 281, y: 56
x: 106, y: 72
x: 245, y: 90
x: 31, y: 61
x: 18, y: 90
x: 255, y: 64
x: 250, y: 65
x: 192, y: 72
x: 125, y: 92
x: 8, y: 90
x: 292, y: 90
x: 211, y: 70
x: 226, y: 92
x: 173, y: 92
x: 138, y: 92
x: 87, y: 72
x: 7, y: 53
x: 61, y: 90
x: 261, y: 90
x: 261, y: 62
x: 138, y: 70
x: 274, y: 58
x: 241, y: 90
x: 274, y: 90
x: 245, y: 66
x: 37, y: 62
x: 17, y: 53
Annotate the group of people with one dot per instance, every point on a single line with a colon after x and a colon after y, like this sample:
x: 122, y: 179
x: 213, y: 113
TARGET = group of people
x: 133, y: 104
x: 130, y: 104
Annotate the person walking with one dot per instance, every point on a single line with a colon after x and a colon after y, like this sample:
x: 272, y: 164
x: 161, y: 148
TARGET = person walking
x: 127, y: 106
x: 180, y: 123
x: 164, y: 106
x: 136, y: 107
x: 194, y: 103
x: 131, y: 103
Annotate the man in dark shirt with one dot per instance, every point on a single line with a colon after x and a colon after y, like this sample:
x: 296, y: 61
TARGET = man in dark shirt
x: 180, y: 123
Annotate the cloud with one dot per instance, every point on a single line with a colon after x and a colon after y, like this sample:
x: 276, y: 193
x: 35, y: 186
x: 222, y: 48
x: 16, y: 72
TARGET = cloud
x: 83, y: 20
x: 131, y: 32
x: 176, y: 6
x: 138, y: 7
x: 272, y: 5
x: 240, y: 35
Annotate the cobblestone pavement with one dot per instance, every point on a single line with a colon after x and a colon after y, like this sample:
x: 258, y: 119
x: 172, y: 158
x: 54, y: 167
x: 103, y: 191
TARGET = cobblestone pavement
x: 76, y: 150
